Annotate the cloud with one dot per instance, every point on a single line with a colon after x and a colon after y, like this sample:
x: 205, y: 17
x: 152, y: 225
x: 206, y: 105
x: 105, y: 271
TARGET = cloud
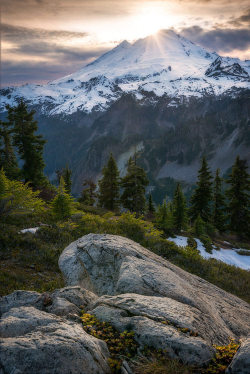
x: 219, y: 40
x: 39, y: 55
x: 18, y: 34
x: 60, y: 62
x: 243, y: 20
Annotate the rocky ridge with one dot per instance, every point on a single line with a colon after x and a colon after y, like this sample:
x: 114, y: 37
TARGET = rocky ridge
x: 123, y: 283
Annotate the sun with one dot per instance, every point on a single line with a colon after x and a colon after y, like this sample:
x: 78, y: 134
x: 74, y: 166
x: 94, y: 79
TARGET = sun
x: 148, y: 20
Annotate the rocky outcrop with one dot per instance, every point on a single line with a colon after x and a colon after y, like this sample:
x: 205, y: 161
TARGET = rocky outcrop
x: 123, y: 283
x: 33, y: 341
x: 165, y: 306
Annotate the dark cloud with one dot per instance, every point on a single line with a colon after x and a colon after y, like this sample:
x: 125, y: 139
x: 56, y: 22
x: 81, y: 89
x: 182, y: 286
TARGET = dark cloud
x: 102, y: 8
x: 243, y: 20
x: 62, y: 61
x: 219, y: 40
x: 18, y: 34
x: 56, y: 58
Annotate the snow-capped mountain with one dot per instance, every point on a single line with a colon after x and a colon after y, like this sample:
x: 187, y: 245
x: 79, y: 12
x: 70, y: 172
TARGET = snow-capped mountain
x: 163, y: 64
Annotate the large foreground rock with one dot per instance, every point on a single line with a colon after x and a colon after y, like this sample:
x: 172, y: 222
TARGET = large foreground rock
x: 34, y: 341
x: 143, y: 292
x: 122, y: 283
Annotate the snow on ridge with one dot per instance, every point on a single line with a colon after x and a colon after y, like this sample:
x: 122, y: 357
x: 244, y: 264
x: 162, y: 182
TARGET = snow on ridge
x: 163, y: 64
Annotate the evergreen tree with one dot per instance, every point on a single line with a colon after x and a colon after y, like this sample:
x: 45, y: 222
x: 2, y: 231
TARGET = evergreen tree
x: 238, y: 199
x: 133, y: 184
x: 29, y: 145
x: 109, y: 186
x: 150, y: 207
x: 88, y: 195
x: 203, y: 194
x: 199, y: 226
x: 219, y: 214
x: 7, y: 155
x: 67, y: 179
x: 164, y: 217
x: 179, y: 209
x: 62, y: 203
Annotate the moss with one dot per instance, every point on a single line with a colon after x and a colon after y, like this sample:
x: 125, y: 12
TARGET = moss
x: 223, y: 357
x: 120, y: 345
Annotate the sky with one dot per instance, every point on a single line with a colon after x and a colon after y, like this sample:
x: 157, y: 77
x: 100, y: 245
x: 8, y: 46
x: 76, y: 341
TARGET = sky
x: 42, y: 40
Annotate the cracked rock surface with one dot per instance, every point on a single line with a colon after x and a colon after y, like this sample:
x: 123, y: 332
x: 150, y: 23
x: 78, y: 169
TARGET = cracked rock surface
x: 125, y: 284
x: 143, y: 292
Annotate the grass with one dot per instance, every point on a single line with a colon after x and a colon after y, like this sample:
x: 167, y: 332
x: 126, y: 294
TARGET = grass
x: 30, y: 262
x: 27, y: 262
x: 43, y: 249
x: 154, y: 365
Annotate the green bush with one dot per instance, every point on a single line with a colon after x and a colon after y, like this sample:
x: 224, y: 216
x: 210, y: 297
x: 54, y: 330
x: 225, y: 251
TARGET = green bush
x: 207, y: 242
x: 191, y: 242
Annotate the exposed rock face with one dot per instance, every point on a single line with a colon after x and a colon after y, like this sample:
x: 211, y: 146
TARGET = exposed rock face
x: 34, y: 341
x: 125, y: 284
x: 241, y: 361
x: 139, y: 290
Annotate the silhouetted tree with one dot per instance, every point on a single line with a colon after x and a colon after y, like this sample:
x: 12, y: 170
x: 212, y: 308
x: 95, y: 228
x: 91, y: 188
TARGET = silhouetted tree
x: 109, y: 186
x: 179, y: 209
x: 219, y: 212
x: 7, y: 155
x: 29, y: 145
x: 238, y: 199
x: 202, y: 197
x: 133, y: 184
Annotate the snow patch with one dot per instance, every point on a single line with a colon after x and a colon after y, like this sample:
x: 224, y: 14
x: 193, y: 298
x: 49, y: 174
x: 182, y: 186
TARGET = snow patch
x: 32, y: 230
x: 181, y: 241
x: 228, y: 256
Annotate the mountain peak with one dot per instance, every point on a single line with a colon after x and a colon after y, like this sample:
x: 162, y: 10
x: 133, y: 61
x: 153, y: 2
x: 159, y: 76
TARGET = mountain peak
x: 163, y: 64
x: 124, y: 44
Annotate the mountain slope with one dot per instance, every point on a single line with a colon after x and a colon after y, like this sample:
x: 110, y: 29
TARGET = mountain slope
x: 164, y: 64
x: 163, y: 96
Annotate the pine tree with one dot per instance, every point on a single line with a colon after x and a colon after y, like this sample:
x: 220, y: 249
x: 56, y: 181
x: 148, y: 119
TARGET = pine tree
x: 133, y: 184
x: 202, y: 197
x: 164, y: 217
x: 88, y: 195
x: 179, y: 209
x: 109, y: 186
x: 199, y: 226
x: 238, y: 199
x: 62, y: 203
x: 67, y: 173
x: 29, y: 145
x: 219, y: 213
x: 150, y: 207
x: 7, y: 155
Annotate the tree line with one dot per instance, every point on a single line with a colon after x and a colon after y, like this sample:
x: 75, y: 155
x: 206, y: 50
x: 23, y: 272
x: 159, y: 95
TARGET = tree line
x: 212, y: 205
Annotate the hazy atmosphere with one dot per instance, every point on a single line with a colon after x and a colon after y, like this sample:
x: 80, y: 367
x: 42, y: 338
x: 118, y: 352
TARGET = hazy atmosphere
x: 44, y: 40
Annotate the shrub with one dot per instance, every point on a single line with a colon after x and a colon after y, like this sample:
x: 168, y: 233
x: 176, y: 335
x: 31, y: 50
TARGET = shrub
x: 207, y: 242
x: 62, y: 204
x: 191, y: 242
x: 18, y: 198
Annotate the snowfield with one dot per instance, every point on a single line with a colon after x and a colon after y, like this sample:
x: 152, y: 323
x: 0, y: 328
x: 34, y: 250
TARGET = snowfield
x: 228, y: 256
x: 163, y: 64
